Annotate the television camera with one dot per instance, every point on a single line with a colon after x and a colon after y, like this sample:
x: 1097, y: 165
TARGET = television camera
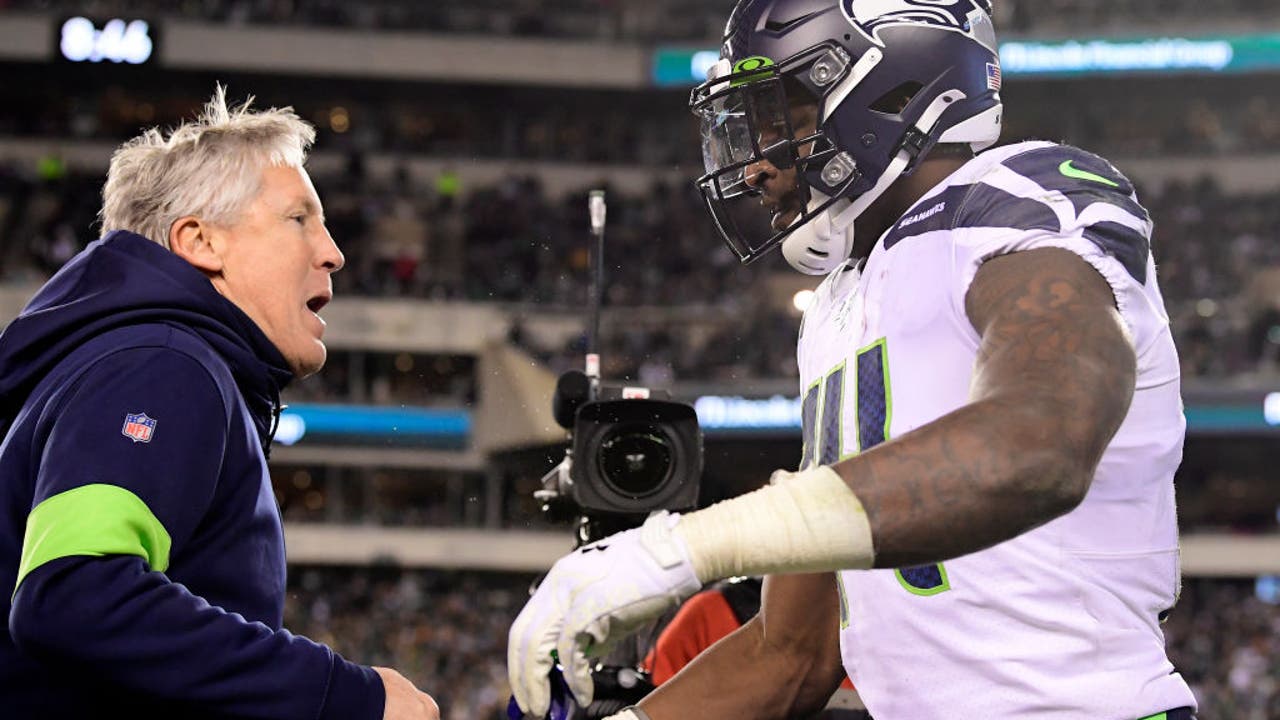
x: 633, y: 451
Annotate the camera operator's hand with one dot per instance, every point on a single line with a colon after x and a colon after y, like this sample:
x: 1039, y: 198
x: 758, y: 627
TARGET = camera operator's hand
x: 592, y: 598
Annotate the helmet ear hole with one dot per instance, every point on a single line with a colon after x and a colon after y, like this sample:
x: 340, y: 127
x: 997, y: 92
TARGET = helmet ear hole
x: 893, y: 102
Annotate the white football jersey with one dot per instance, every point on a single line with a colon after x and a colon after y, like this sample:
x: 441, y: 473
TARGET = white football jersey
x: 1062, y: 622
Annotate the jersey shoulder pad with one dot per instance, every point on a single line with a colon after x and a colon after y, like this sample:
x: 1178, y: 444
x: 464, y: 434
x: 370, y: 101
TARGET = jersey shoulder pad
x: 1103, y: 205
x: 1081, y: 176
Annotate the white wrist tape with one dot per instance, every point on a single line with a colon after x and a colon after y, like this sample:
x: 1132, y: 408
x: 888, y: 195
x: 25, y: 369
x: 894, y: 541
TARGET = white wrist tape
x: 629, y: 713
x: 805, y: 522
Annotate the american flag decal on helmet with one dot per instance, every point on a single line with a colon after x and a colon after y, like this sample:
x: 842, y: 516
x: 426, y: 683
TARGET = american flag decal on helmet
x: 993, y: 76
x: 138, y: 427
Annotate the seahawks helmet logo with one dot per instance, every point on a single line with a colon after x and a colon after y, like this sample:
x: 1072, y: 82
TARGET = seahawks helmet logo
x: 868, y: 16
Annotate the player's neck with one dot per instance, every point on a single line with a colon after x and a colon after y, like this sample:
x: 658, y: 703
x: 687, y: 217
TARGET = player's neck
x: 907, y: 192
x: 901, y: 196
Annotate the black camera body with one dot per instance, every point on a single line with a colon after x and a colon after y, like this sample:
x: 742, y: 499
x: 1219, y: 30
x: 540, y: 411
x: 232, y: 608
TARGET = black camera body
x: 633, y: 452
x: 634, y: 456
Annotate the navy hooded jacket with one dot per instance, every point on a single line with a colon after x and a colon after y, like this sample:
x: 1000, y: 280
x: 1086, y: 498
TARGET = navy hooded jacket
x: 137, y: 519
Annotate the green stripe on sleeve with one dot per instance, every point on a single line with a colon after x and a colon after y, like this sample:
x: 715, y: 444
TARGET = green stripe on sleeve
x: 93, y: 520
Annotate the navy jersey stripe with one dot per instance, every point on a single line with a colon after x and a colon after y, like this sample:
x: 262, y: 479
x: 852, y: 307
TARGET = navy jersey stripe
x: 1082, y: 198
x: 809, y: 424
x: 989, y: 206
x: 935, y: 213
x: 832, y: 407
x: 978, y: 205
x: 872, y: 399
x: 1128, y: 246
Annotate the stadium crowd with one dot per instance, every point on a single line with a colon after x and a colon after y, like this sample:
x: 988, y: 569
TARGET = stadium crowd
x: 1226, y: 642
x: 652, y: 129
x: 447, y: 632
x: 514, y: 243
x: 667, y: 20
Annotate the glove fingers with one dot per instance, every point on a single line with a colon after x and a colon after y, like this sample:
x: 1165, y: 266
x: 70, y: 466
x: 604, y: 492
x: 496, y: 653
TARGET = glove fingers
x: 529, y: 662
x: 601, y: 637
x: 572, y: 648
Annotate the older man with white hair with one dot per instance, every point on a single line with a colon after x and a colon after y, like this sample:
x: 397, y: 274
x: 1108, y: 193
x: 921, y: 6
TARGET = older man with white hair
x: 142, y: 562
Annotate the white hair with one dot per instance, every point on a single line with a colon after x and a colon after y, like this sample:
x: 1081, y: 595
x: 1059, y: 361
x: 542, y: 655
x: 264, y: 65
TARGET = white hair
x: 210, y: 168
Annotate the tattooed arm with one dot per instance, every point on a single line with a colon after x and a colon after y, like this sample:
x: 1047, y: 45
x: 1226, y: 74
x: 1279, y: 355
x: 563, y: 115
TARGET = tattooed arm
x: 1053, y: 381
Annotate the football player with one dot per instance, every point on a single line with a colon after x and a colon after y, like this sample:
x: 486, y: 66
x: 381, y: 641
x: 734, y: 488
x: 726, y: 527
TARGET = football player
x: 991, y: 404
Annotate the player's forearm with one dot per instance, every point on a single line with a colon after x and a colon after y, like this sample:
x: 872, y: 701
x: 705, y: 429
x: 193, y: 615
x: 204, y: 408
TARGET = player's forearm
x: 976, y: 477
x: 743, y: 676
x: 979, y: 476
x: 1053, y: 381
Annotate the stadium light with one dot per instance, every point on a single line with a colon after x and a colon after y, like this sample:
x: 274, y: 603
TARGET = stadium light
x: 802, y: 300
x: 1271, y: 408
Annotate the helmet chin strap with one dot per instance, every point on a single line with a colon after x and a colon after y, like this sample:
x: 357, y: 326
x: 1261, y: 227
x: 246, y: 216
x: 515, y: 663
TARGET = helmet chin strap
x: 822, y: 244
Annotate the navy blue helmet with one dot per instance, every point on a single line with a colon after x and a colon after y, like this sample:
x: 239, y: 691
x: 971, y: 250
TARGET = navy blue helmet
x: 847, y: 96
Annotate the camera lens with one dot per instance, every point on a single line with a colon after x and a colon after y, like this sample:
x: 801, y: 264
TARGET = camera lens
x: 635, y: 459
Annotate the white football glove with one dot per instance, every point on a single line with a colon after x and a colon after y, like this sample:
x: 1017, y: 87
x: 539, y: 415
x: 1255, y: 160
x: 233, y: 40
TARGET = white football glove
x: 591, y: 599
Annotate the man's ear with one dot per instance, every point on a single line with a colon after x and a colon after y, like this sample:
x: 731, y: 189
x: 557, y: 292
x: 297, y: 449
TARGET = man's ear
x: 191, y: 239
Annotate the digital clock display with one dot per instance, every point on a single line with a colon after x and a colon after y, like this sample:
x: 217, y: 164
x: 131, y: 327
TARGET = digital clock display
x: 117, y: 40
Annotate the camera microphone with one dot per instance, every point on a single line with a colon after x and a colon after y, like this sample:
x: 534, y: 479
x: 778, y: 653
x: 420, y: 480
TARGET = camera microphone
x: 595, y: 291
x: 573, y: 389
x: 596, y: 209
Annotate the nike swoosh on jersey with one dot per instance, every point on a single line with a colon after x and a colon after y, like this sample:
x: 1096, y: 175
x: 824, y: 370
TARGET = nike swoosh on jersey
x: 1068, y: 170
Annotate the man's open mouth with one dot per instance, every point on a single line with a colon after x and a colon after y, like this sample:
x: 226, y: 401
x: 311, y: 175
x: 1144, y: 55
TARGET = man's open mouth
x: 316, y: 303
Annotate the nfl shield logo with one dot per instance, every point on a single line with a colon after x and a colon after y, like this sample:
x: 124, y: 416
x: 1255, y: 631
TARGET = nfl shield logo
x: 138, y: 427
